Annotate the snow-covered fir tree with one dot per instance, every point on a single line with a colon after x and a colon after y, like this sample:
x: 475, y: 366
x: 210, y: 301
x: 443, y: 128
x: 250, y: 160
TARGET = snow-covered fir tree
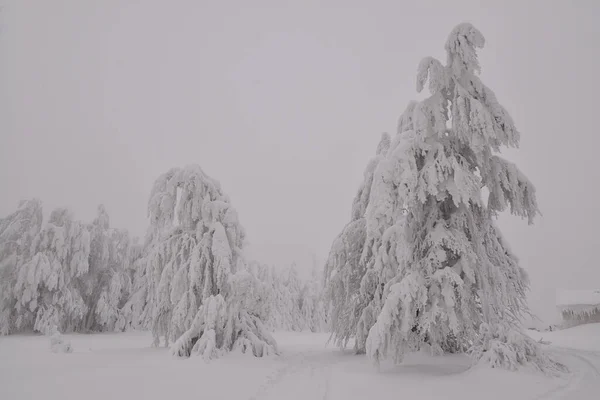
x: 58, y: 344
x: 17, y: 234
x: 293, y: 299
x: 133, y: 313
x: 119, y: 280
x: 200, y: 293
x: 295, y: 304
x: 98, y: 275
x: 278, y: 298
x: 352, y: 287
x: 264, y: 276
x: 456, y: 282
x: 314, y: 309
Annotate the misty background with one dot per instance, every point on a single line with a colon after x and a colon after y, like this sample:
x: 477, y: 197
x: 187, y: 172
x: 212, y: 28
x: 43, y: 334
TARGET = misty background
x: 284, y: 103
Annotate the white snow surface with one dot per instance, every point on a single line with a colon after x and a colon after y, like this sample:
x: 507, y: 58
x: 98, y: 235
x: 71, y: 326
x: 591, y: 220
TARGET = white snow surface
x: 124, y: 366
x: 579, y: 348
x: 584, y: 337
x: 565, y: 298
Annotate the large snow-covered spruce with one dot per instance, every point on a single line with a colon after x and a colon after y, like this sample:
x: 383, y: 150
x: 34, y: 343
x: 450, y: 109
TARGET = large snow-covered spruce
x: 200, y: 294
x: 433, y: 268
x: 459, y: 284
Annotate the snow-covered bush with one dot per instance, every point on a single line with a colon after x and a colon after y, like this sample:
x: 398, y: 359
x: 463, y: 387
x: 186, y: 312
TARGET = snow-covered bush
x: 58, y: 344
x: 500, y: 345
x: 195, y: 270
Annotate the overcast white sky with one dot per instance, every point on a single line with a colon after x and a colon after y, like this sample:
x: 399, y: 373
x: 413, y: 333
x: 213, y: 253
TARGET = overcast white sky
x: 284, y: 103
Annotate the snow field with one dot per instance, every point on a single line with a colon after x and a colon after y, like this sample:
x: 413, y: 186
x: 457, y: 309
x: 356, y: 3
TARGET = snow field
x: 124, y: 365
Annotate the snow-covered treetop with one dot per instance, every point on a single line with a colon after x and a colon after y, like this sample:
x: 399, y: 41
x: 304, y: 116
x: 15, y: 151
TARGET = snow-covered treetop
x: 361, y: 200
x: 102, y: 220
x: 190, y: 199
x: 25, y: 221
x: 461, y: 48
x: 477, y: 110
x: 67, y: 239
x: 462, y: 116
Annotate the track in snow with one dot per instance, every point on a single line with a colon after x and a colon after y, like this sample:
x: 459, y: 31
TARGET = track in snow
x: 304, y: 375
x: 584, y: 382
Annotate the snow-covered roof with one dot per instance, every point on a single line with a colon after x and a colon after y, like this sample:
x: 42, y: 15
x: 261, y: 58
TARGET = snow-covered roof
x: 567, y: 298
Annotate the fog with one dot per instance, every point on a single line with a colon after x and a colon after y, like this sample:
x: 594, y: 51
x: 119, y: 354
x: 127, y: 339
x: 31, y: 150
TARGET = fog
x: 284, y: 104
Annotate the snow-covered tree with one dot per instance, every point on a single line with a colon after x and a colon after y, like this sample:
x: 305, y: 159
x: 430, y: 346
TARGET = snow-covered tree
x: 117, y: 290
x: 350, y: 257
x: 47, y: 284
x: 295, y: 304
x: 17, y: 234
x: 278, y: 318
x: 58, y: 344
x: 456, y: 282
x: 98, y: 276
x: 293, y: 299
x: 314, y: 310
x: 200, y: 294
x: 133, y: 313
x: 265, y: 277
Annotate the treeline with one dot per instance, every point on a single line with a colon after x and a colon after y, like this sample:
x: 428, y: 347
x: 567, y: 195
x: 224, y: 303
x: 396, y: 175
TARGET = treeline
x: 91, y: 277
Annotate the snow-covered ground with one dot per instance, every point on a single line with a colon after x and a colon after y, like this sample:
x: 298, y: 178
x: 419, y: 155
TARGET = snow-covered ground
x: 124, y: 366
x: 583, y: 337
x: 579, y: 348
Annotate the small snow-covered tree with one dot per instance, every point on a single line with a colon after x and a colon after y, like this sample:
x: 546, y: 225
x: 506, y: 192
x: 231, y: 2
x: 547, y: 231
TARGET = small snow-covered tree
x: 296, y: 304
x: 47, y: 284
x: 293, y: 299
x: 58, y: 344
x: 17, y: 233
x: 134, y: 312
x: 279, y: 299
x: 200, y: 294
x: 350, y: 258
x: 264, y: 275
x: 314, y: 311
x: 95, y: 281
x: 118, y: 282
x: 384, y: 218
x: 457, y: 283
x: 292, y: 303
